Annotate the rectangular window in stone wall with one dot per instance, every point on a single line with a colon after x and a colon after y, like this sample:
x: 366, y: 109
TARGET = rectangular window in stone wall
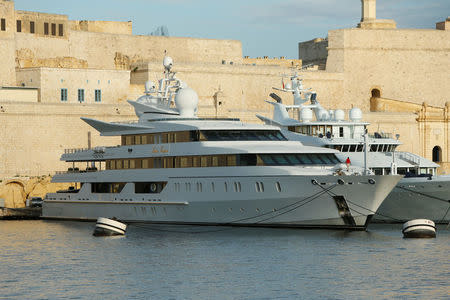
x: 98, y: 95
x: 46, y: 28
x: 3, y: 24
x: 60, y: 29
x: 63, y: 95
x: 80, y: 95
x: 53, y: 29
x: 31, y: 27
x: 19, y: 26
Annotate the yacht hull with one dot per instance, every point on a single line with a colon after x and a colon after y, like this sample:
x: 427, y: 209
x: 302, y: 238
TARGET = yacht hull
x: 272, y: 201
x: 417, y: 198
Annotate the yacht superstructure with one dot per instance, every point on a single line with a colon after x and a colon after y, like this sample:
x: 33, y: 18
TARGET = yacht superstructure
x: 420, y: 194
x: 173, y: 167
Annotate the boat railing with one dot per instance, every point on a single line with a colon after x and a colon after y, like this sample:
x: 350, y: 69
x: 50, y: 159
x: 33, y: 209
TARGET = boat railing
x: 409, y: 157
x: 77, y: 170
x: 125, y: 122
x: 95, y: 149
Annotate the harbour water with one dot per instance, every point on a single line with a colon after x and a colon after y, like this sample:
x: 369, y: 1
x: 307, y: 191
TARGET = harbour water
x: 50, y: 259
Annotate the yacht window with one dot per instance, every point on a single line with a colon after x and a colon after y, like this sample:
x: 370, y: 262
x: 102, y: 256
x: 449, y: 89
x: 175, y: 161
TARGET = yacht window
x: 247, y: 160
x: 280, y: 159
x: 157, y: 162
x: 293, y: 159
x: 107, y: 187
x: 149, y: 187
x: 326, y: 159
x: 305, y: 159
x: 242, y: 135
x: 278, y: 186
x: 360, y: 148
x: 378, y: 171
x: 352, y: 148
x: 316, y: 159
x: 341, y: 131
x: 373, y: 148
x: 401, y: 171
x: 345, y: 148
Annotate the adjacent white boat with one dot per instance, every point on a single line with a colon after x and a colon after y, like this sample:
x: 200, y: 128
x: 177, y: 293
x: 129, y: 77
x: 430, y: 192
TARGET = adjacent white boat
x: 420, y: 194
x: 173, y: 167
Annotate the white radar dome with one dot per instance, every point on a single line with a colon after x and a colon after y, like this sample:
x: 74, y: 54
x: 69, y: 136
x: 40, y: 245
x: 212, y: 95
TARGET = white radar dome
x: 167, y: 62
x: 186, y: 102
x: 355, y: 114
x: 339, y: 115
x: 149, y: 86
x: 323, y: 115
x: 331, y: 113
x: 306, y: 114
x: 288, y: 86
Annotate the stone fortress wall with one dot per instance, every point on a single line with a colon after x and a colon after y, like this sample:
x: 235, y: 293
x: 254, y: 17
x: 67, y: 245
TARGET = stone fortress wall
x: 353, y: 66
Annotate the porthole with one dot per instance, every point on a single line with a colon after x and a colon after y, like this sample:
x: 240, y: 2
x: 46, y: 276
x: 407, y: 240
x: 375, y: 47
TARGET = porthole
x: 278, y: 186
x: 153, y: 187
x: 314, y: 182
x: 371, y: 181
x: 340, y: 181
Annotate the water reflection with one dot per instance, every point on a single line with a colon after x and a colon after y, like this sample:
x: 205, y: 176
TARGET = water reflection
x: 49, y: 259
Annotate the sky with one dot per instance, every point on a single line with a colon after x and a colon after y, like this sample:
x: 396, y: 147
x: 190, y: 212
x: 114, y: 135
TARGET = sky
x: 265, y: 27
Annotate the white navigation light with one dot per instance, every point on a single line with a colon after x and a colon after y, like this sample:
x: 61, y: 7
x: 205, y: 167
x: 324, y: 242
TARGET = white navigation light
x: 186, y: 102
x: 339, y: 115
x: 306, y: 115
x: 355, y: 114
x: 168, y: 62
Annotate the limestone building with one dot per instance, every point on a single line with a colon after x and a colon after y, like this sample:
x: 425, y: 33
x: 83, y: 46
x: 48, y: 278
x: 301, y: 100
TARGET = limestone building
x: 55, y: 70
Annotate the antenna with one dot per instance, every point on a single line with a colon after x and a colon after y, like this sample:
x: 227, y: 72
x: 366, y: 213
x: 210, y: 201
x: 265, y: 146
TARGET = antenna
x: 275, y: 97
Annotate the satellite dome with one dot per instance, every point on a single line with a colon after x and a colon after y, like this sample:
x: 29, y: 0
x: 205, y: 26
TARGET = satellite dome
x: 149, y: 86
x: 186, y: 102
x: 323, y: 115
x: 355, y: 114
x: 331, y: 113
x: 168, y: 62
x: 339, y: 115
x: 306, y: 114
x: 288, y: 86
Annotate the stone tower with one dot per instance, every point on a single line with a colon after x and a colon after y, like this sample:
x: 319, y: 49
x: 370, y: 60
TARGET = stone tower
x: 7, y: 43
x: 369, y: 17
x: 368, y: 10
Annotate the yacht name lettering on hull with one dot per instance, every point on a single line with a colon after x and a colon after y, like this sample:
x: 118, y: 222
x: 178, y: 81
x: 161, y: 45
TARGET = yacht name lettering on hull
x: 160, y: 149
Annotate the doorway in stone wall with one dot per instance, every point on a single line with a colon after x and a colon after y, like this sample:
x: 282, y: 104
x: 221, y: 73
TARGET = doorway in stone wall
x: 437, y: 152
x: 376, y: 93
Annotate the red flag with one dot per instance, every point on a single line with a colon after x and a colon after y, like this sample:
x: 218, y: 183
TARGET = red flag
x: 348, y: 161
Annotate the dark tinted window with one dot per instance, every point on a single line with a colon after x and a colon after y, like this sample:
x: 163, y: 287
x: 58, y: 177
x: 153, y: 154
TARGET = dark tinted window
x: 299, y: 159
x: 243, y: 135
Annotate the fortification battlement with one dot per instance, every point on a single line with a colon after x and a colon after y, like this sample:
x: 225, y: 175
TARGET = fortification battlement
x: 53, y: 25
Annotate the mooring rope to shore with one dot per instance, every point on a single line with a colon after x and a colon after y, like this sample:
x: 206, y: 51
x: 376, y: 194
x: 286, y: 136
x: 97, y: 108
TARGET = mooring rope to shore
x: 296, y: 205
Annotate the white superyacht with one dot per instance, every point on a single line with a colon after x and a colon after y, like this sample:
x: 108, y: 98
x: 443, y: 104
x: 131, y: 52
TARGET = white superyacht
x: 173, y: 167
x: 420, y: 194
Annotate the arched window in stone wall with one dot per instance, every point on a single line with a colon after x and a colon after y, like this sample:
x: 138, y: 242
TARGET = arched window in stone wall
x: 376, y: 93
x: 437, y: 152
